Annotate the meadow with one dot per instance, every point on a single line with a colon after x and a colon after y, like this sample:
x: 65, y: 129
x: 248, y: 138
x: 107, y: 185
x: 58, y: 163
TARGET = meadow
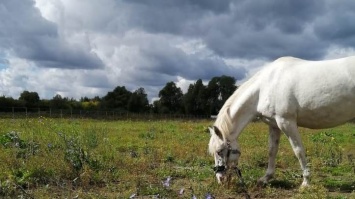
x: 84, y: 158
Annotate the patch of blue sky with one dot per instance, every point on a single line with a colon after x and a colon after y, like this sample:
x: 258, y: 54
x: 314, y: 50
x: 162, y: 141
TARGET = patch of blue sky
x: 4, y: 63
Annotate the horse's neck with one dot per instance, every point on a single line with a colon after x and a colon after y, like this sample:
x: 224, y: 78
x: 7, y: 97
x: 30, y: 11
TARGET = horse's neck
x: 244, y: 109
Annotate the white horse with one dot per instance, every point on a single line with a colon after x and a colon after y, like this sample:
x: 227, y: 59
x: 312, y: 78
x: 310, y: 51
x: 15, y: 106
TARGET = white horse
x: 287, y: 93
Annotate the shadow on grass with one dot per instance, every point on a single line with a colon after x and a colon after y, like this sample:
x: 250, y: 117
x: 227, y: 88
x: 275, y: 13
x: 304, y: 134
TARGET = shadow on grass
x: 339, y: 186
x: 282, y: 184
x: 331, y: 185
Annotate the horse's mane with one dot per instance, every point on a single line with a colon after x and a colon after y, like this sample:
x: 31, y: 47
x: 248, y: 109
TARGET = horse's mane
x: 224, y: 122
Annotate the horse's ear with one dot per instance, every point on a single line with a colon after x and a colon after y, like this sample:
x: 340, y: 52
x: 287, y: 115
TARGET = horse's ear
x: 216, y: 131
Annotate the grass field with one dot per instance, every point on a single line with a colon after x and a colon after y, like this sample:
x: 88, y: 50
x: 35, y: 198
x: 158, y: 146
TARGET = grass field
x: 78, y: 158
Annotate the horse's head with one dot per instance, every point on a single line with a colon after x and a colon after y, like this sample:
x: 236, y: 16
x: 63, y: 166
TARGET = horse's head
x: 225, y: 152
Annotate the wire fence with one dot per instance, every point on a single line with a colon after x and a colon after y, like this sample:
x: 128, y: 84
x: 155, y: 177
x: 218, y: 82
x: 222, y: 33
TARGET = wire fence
x: 24, y: 112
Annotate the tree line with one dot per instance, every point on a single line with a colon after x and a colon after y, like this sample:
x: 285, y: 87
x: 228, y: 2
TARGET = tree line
x: 199, y: 99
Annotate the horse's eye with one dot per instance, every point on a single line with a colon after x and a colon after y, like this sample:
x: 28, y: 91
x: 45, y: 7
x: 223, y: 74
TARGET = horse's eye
x: 220, y: 152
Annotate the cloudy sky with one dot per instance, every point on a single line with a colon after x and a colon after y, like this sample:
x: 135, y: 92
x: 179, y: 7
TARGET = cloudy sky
x: 79, y: 48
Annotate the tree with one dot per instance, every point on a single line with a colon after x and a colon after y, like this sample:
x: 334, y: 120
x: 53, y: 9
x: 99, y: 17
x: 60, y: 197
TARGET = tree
x: 195, y: 99
x: 84, y: 99
x: 227, y: 87
x: 219, y: 89
x: 90, y: 104
x: 6, y: 103
x: 30, y: 99
x: 138, y: 102
x: 156, y: 106
x: 58, y: 102
x: 170, y: 99
x: 117, y: 99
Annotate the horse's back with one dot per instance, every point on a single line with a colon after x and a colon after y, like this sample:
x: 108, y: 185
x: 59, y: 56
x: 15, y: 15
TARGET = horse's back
x: 317, y: 94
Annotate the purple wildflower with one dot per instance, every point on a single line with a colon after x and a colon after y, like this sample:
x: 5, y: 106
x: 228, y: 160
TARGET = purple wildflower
x: 209, y: 196
x: 194, y: 197
x: 166, y: 183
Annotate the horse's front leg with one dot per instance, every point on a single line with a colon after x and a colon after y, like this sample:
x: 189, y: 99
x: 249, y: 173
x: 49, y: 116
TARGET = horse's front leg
x: 274, y: 140
x: 289, y: 127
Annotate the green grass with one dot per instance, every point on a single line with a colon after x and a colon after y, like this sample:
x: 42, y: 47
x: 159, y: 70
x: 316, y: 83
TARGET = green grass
x: 66, y: 158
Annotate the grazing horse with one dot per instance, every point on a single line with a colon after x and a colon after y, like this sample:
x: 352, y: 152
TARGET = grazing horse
x: 287, y: 93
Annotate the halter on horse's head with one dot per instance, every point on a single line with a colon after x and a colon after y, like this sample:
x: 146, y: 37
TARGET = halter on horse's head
x: 226, y: 153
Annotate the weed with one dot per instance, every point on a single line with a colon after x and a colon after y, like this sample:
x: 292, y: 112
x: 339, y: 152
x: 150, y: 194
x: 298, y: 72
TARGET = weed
x: 12, y: 140
x: 23, y: 149
x: 77, y: 155
x: 74, y: 152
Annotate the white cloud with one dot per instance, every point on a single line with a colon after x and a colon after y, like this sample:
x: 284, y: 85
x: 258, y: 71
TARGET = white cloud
x: 52, y: 10
x: 21, y: 74
x: 184, y: 84
x: 335, y: 52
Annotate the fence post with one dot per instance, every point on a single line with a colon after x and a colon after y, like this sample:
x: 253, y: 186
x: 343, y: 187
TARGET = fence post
x: 13, y: 112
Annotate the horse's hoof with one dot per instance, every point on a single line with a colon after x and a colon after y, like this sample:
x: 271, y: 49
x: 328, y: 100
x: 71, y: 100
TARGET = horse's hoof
x: 264, y: 180
x: 304, y: 185
x: 261, y: 183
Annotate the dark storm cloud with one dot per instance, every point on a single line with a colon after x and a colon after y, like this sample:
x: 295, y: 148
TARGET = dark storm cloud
x: 253, y: 29
x: 269, y: 43
x: 208, y: 5
x: 24, y: 32
x: 51, y: 52
x: 163, y: 64
x: 174, y: 62
x: 160, y: 61
x: 175, y: 17
x: 338, y: 25
x: 288, y: 16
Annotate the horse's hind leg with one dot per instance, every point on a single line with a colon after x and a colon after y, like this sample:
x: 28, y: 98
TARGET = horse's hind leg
x: 274, y: 140
x: 289, y: 127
